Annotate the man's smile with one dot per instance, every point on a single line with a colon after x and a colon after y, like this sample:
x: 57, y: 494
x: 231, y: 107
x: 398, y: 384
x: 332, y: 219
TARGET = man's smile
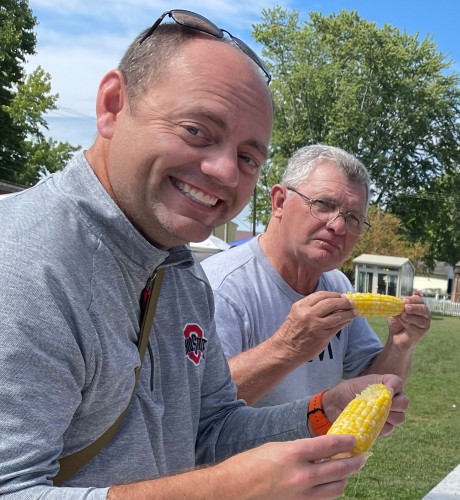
x: 195, y: 194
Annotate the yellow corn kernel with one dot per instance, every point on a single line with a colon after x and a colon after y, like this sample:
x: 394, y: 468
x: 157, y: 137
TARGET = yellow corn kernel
x: 364, y: 417
x: 376, y: 304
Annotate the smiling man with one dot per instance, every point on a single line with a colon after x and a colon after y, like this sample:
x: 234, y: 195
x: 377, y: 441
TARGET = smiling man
x: 284, y: 324
x: 183, y: 125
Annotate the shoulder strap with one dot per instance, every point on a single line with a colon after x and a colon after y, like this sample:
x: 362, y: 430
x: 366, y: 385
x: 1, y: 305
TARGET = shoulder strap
x: 71, y: 464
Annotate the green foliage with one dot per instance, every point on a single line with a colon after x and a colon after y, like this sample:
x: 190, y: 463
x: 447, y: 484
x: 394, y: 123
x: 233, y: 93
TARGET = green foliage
x: 30, y: 101
x: 433, y: 215
x: 378, y: 93
x: 24, y: 100
x: 410, y: 462
x: 43, y: 157
x: 386, y: 237
x: 16, y: 39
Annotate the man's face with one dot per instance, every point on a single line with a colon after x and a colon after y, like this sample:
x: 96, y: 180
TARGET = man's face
x: 186, y: 157
x: 318, y: 245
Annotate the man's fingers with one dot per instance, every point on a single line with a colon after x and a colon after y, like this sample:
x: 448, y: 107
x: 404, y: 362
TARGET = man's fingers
x: 326, y: 305
x: 330, y: 475
x: 322, y: 447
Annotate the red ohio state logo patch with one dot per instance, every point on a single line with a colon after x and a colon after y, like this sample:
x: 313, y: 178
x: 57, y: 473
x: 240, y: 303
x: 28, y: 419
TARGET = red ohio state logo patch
x: 195, y: 343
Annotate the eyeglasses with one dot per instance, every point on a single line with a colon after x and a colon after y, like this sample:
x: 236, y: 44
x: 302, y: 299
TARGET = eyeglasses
x: 200, y: 23
x: 328, y: 211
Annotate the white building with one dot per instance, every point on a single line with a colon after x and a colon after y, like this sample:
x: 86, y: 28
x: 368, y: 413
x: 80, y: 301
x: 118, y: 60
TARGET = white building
x: 384, y: 274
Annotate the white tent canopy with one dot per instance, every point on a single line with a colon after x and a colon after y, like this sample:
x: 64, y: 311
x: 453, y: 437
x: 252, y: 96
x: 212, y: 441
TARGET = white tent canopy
x: 208, y: 247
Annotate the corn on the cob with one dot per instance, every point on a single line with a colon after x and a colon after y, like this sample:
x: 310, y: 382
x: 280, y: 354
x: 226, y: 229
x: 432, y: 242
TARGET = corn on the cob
x: 364, y: 417
x: 376, y: 304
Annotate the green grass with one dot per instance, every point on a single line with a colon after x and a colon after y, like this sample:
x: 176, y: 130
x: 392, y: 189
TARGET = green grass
x: 407, y: 464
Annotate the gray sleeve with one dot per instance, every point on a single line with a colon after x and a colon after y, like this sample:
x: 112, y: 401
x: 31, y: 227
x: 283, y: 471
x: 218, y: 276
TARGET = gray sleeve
x: 40, y: 388
x: 228, y: 427
x: 232, y: 327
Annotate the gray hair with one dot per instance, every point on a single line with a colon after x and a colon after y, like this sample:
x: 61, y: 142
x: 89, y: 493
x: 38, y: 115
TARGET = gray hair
x: 305, y: 160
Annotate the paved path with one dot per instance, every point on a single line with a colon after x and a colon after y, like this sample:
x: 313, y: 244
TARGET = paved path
x: 447, y: 489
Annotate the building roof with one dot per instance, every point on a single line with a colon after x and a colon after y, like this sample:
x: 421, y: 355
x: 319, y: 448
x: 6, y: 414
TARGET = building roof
x: 441, y: 269
x: 10, y: 187
x: 381, y: 260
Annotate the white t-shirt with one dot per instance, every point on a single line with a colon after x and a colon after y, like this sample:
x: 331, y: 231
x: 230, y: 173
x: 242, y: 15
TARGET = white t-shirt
x: 252, y: 301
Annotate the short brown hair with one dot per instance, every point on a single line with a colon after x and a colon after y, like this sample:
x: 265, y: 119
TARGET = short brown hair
x: 142, y: 65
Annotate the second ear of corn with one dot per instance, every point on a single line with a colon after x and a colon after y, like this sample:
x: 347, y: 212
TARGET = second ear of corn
x: 364, y: 417
x: 376, y: 304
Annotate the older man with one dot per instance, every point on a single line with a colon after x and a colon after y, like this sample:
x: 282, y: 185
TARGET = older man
x: 283, y: 322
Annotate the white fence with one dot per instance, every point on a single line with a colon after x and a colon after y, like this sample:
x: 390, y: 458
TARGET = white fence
x: 445, y: 307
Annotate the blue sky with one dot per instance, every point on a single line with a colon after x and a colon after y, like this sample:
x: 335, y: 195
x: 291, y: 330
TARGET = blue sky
x: 79, y: 40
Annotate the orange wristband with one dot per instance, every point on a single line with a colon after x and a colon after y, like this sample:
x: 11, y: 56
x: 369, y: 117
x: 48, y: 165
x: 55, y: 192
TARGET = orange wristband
x: 318, y: 420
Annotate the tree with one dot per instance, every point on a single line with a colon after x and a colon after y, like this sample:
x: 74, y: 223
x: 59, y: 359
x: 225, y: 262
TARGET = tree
x: 376, y: 92
x: 433, y: 215
x: 386, y: 237
x: 24, y: 100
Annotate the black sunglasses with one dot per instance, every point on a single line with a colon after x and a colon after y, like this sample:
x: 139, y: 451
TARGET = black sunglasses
x: 200, y: 23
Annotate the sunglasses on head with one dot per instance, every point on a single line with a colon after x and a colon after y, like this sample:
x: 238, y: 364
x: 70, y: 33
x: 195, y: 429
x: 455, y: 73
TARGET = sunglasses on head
x: 197, y: 22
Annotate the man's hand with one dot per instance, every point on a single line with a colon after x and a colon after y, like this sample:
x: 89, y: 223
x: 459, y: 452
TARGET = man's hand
x: 312, y: 322
x: 294, y: 469
x: 305, y: 333
x: 335, y: 400
x: 410, y: 326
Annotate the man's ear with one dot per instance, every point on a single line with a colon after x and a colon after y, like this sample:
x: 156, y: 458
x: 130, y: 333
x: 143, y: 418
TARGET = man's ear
x: 278, y: 196
x: 111, y: 98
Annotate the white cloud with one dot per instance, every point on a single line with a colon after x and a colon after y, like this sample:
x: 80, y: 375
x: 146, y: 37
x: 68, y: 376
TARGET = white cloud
x: 138, y: 14
x: 76, y: 71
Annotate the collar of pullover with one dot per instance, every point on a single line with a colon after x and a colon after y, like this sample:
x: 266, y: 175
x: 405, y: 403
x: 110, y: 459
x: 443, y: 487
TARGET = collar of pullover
x: 82, y: 189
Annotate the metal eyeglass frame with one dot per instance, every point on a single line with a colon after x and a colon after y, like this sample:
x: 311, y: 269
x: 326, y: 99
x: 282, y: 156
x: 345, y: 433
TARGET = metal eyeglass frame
x: 311, y: 201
